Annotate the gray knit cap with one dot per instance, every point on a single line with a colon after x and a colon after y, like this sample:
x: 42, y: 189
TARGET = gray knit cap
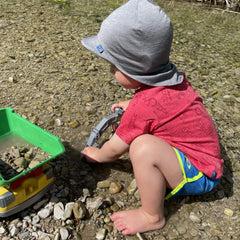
x: 137, y: 38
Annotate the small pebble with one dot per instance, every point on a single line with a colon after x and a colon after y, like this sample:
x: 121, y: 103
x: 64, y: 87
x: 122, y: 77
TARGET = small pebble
x: 132, y: 187
x: 228, y: 212
x: 115, y: 207
x: 74, y: 124
x: 64, y: 233
x: 194, y: 217
x: 115, y: 187
x: 104, y: 184
x: 79, y: 210
x: 101, y: 233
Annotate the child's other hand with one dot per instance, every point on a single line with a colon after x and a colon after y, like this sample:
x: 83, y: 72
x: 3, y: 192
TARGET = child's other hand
x: 122, y: 105
x: 109, y: 152
x: 90, y: 154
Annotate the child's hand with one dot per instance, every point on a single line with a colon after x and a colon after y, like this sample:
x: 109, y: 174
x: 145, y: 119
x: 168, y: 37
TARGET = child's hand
x: 90, y: 154
x: 122, y: 105
x: 110, y: 151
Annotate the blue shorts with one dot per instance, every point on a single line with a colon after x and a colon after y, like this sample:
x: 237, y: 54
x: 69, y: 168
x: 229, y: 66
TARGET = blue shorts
x: 194, y: 182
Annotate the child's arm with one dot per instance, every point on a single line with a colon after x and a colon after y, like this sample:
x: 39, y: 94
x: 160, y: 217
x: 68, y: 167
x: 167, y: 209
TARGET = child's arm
x: 122, y: 105
x: 110, y: 151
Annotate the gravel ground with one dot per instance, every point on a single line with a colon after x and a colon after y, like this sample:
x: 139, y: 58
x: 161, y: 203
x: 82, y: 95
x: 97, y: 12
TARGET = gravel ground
x: 48, y: 78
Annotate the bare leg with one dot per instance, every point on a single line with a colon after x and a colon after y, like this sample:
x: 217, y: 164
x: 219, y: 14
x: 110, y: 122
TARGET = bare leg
x: 155, y: 166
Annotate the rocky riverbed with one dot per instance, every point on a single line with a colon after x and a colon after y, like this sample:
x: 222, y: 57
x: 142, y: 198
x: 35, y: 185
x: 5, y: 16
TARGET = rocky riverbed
x: 48, y: 78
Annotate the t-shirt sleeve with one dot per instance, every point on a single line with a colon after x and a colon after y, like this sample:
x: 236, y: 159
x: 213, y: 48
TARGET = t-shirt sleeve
x: 134, y: 123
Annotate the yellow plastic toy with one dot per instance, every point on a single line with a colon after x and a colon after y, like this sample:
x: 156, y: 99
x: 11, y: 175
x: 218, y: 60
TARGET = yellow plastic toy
x: 29, y: 186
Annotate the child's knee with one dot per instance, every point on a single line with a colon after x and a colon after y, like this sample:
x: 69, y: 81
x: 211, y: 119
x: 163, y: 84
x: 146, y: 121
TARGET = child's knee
x: 139, y: 147
x: 144, y: 145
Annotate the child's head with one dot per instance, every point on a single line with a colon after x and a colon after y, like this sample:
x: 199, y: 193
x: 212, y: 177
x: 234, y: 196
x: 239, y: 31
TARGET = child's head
x: 137, y: 38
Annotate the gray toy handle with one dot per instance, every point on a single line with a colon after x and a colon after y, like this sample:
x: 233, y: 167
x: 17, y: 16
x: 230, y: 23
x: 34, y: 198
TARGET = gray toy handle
x: 103, y: 125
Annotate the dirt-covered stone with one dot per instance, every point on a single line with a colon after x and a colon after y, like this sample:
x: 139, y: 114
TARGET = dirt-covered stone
x: 17, y: 159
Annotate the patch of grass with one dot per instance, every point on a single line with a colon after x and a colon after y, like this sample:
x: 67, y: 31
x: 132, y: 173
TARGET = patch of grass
x: 116, y: 4
x: 65, y: 4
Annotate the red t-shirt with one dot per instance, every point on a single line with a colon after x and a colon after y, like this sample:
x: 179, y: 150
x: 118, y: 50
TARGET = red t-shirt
x: 175, y: 114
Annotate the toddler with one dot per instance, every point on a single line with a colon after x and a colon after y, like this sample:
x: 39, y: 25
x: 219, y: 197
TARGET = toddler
x: 170, y: 137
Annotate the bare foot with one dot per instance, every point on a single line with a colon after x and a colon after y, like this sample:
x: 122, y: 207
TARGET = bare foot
x: 136, y: 220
